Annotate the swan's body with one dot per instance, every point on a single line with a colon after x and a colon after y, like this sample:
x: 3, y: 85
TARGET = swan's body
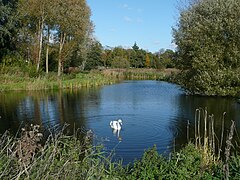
x: 117, y: 125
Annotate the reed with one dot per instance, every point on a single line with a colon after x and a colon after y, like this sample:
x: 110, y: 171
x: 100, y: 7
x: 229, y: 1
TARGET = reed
x: 207, y: 142
x: 137, y: 74
x: 9, y: 82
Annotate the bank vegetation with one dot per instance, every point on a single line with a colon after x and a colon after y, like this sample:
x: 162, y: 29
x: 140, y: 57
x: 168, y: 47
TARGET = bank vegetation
x: 33, y: 155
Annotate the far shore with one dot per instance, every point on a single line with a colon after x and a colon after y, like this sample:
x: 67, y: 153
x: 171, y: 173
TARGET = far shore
x: 20, y: 81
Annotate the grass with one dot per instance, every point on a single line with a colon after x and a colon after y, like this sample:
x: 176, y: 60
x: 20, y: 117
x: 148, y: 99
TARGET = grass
x: 13, y: 82
x: 140, y: 73
x: 71, y: 157
x: 15, y: 79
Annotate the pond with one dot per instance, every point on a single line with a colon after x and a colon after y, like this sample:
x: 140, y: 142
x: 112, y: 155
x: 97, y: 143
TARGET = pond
x: 153, y: 113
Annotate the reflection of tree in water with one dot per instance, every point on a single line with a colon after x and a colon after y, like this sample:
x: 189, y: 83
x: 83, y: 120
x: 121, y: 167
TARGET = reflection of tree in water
x: 214, y: 106
x: 47, y: 108
x: 73, y: 106
x: 8, y: 111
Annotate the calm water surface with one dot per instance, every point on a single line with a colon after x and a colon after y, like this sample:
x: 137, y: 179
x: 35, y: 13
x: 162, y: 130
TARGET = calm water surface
x: 153, y: 112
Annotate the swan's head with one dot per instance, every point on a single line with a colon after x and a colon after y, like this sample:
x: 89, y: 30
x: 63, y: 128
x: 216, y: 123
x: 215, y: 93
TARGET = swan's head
x: 120, y: 121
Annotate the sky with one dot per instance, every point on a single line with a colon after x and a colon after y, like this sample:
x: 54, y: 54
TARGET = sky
x: 123, y: 22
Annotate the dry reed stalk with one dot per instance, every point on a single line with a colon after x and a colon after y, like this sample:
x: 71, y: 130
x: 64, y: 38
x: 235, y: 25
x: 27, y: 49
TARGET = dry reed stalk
x: 222, y: 131
x: 205, y: 142
x: 210, y: 133
x: 213, y: 134
x: 196, y: 122
x: 199, y: 134
x: 227, y: 150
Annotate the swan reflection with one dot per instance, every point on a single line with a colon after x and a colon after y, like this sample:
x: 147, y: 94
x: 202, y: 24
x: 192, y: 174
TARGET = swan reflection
x: 117, y: 133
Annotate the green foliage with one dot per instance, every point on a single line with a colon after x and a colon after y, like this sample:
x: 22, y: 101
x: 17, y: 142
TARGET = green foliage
x: 189, y: 163
x: 125, y: 58
x: 235, y: 167
x: 72, y: 157
x: 148, y: 62
x: 150, y: 166
x: 8, y: 27
x: 208, y: 48
x: 15, y: 64
x: 120, y: 62
x: 167, y: 59
x: 94, y: 56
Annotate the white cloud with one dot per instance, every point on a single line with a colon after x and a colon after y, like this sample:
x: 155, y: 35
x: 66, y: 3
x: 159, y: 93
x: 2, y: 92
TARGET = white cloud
x: 127, y: 19
x: 126, y: 6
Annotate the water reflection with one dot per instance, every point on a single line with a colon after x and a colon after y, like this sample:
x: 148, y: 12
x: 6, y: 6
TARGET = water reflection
x: 154, y: 112
x: 117, y: 134
x: 216, y: 106
x: 46, y: 108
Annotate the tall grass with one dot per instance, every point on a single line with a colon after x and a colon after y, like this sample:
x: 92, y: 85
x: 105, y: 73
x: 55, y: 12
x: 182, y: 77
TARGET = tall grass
x: 70, y: 157
x: 51, y: 81
x: 60, y: 157
x: 136, y: 74
x: 21, y: 80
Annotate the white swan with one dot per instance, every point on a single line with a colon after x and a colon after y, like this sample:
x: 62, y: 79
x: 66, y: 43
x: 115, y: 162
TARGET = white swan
x: 117, y: 125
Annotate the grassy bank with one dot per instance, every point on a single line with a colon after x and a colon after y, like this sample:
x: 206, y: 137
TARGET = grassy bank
x: 140, y: 74
x: 18, y: 80
x: 71, y: 157
x: 51, y: 81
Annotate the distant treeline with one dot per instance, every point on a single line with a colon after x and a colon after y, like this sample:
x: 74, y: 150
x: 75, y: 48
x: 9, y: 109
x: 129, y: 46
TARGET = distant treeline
x: 58, y: 35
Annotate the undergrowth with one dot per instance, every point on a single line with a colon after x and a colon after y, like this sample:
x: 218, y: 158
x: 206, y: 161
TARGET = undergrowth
x: 71, y: 157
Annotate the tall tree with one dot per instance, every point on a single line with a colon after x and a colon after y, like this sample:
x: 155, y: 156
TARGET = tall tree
x: 207, y: 36
x: 35, y: 11
x: 72, y: 18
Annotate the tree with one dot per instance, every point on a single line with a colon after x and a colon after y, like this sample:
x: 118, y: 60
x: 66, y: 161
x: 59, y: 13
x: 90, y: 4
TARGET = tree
x: 72, y: 18
x: 135, y: 47
x: 207, y: 36
x: 167, y: 58
x: 148, y: 62
x: 36, y: 12
x: 8, y: 27
x: 94, y: 56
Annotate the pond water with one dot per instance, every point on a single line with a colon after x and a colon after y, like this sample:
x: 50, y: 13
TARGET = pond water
x: 153, y: 113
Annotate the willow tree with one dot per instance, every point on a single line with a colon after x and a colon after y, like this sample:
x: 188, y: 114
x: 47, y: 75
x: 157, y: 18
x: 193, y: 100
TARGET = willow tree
x: 208, y: 47
x: 72, y: 19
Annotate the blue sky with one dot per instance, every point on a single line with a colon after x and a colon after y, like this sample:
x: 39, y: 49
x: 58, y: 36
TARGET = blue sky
x: 122, y: 22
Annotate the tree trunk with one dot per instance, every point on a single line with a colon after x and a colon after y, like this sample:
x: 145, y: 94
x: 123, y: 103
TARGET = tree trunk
x: 60, y: 59
x: 40, y: 37
x: 47, y: 50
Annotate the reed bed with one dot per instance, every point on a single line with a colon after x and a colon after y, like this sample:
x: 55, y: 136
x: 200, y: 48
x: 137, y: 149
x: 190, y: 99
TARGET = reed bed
x: 21, y: 81
x: 216, y: 148
x: 10, y: 82
x: 136, y: 74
